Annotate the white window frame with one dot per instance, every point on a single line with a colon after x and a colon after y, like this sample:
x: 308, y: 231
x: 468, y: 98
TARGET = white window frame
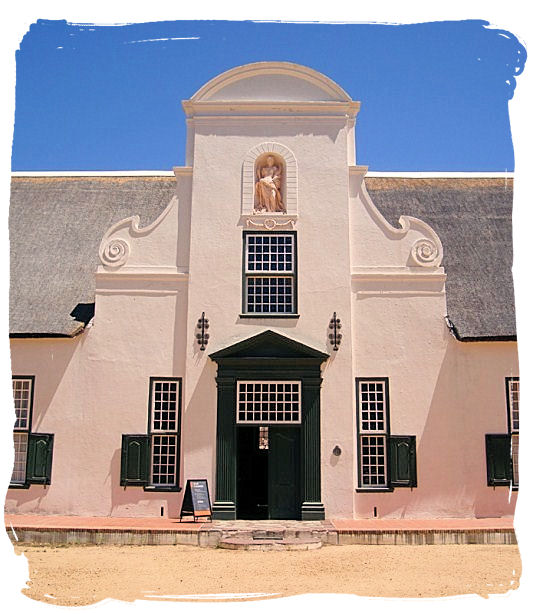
x: 268, y: 273
x: 261, y: 421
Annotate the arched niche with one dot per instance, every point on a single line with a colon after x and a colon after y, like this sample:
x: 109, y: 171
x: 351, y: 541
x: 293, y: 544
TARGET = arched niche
x: 256, y: 159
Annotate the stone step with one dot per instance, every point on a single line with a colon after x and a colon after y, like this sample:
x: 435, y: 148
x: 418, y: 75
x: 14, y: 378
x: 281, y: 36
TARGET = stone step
x: 265, y: 543
x: 274, y: 534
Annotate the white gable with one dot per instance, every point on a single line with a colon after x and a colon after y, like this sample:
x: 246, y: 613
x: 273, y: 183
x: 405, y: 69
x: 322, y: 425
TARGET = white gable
x: 271, y: 81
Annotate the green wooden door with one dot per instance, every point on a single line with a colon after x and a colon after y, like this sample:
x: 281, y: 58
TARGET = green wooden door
x: 284, y: 499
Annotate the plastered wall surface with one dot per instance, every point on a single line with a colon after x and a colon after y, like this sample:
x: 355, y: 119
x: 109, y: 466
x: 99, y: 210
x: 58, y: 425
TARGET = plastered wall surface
x: 151, y: 292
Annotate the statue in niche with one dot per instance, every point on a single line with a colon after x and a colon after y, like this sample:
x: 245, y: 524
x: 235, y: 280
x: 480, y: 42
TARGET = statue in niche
x: 268, y: 187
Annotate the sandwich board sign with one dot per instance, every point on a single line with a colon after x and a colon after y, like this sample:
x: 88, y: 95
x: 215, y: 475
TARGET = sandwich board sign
x: 196, y: 502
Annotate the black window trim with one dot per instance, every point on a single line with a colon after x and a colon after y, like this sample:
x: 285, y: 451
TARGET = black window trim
x: 267, y: 315
x: 29, y: 431
x: 155, y: 487
x: 388, y: 487
x: 510, y: 429
x: 360, y: 486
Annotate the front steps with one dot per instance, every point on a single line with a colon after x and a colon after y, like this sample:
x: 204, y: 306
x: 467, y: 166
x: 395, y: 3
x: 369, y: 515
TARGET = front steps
x: 271, y: 540
x: 268, y: 534
x: 63, y: 530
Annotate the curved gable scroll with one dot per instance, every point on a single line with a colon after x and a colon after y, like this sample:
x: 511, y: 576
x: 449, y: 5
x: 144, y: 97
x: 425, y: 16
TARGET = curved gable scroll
x: 290, y: 179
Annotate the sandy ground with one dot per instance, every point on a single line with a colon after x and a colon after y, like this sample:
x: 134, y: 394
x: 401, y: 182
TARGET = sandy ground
x: 82, y: 575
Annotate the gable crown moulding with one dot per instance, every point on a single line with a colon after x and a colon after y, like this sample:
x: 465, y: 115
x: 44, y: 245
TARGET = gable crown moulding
x: 271, y: 88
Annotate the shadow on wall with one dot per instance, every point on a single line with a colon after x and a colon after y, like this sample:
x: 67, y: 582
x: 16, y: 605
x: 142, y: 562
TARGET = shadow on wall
x: 134, y: 501
x: 35, y: 495
x: 199, y: 423
x: 49, y: 363
x: 466, y: 404
x: 56, y: 359
x: 198, y: 434
x: 469, y: 401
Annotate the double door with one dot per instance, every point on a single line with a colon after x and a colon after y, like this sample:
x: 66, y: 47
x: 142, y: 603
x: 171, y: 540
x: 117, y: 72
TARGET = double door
x: 268, y: 472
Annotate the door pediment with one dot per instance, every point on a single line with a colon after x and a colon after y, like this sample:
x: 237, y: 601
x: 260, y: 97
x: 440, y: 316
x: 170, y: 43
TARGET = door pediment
x: 269, y: 345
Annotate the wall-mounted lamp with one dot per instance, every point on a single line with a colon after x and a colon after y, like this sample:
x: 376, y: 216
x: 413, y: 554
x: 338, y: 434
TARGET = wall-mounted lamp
x: 337, y: 451
x: 202, y: 336
x: 335, y: 337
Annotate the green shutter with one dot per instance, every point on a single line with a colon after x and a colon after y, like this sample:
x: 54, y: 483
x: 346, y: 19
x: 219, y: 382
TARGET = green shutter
x: 39, y: 466
x: 135, y: 461
x: 499, y: 460
x: 402, y: 460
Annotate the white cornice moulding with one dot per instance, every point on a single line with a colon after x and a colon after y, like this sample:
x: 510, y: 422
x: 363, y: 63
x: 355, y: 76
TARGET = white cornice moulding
x: 251, y: 108
x: 172, y: 173
x: 182, y: 171
x: 92, y: 173
x: 398, y: 273
x: 151, y: 273
x: 357, y: 169
x: 442, y: 174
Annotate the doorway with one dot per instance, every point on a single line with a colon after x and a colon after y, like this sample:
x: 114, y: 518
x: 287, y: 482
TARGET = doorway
x: 293, y: 459
x: 268, y: 472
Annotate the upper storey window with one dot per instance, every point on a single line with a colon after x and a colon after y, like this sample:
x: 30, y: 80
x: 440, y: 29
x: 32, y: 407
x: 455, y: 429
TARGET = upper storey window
x: 269, y: 273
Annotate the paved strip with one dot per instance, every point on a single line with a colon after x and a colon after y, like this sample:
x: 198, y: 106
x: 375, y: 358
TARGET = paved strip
x: 97, y: 523
x: 34, y: 521
x: 421, y: 524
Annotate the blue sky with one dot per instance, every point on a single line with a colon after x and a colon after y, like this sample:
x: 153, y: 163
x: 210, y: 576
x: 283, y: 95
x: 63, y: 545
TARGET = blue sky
x: 434, y: 95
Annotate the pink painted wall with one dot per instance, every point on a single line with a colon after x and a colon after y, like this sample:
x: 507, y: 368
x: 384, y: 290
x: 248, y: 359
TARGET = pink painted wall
x: 92, y: 389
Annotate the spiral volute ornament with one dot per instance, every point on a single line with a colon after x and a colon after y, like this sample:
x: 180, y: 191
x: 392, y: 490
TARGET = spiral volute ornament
x: 425, y: 252
x: 115, y: 253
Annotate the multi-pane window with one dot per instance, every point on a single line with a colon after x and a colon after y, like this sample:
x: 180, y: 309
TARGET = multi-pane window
x: 151, y: 459
x: 513, y: 402
x: 20, y: 441
x: 373, y: 430
x: 22, y: 389
x: 22, y: 398
x: 502, y: 448
x: 270, y: 273
x: 268, y: 402
x: 164, y: 432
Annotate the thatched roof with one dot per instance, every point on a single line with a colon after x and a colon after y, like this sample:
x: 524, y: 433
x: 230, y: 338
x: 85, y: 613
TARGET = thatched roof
x: 56, y: 224
x: 473, y: 220
x: 55, y: 228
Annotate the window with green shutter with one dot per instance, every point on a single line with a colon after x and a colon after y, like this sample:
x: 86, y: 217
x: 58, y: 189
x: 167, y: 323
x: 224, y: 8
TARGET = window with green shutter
x: 513, y: 421
x: 402, y: 460
x: 135, y: 460
x: 385, y: 461
x: 152, y: 460
x: 502, y: 449
x: 39, y: 466
x: 33, y: 451
x: 499, y: 460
